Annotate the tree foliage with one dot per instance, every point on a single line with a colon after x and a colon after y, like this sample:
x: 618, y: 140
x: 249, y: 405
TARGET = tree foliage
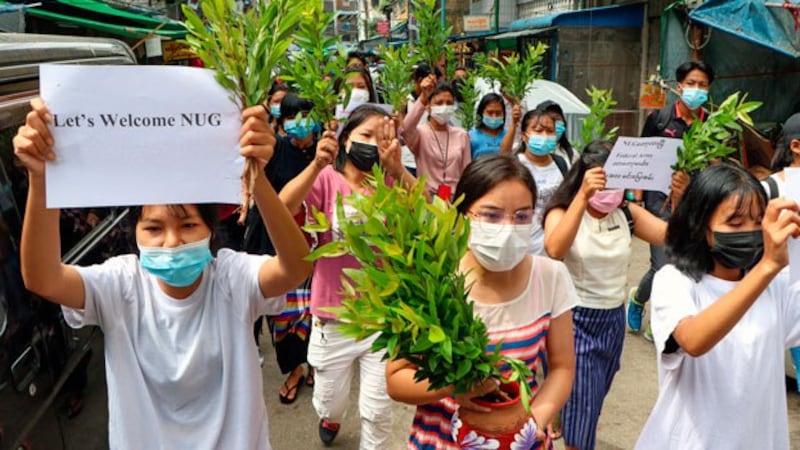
x: 594, y: 124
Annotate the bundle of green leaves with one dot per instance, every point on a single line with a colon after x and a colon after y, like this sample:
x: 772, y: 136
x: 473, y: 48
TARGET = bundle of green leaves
x: 516, y: 74
x: 243, y: 48
x: 466, y: 112
x: 314, y: 69
x: 594, y: 124
x: 708, y: 140
x: 409, y: 289
x: 395, y: 76
x: 433, y: 34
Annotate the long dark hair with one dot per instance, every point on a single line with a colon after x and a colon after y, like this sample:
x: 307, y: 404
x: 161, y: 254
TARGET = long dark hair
x: 293, y: 104
x: 209, y: 213
x: 557, y: 114
x: 356, y: 118
x: 594, y: 155
x: 530, y: 116
x: 486, y: 172
x: 364, y: 74
x: 784, y: 156
x: 687, y: 247
x: 487, y: 100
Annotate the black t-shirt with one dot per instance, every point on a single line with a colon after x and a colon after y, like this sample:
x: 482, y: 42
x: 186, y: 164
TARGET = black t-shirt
x: 287, y: 162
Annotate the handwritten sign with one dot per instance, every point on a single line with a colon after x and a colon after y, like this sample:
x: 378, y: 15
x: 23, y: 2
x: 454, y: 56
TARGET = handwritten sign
x: 793, y: 193
x: 642, y: 163
x: 127, y: 135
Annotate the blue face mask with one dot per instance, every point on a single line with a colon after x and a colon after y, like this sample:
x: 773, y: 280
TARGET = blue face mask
x: 177, y: 266
x: 300, y: 130
x: 694, y: 97
x: 492, y: 123
x: 560, y: 129
x: 541, y: 145
x: 275, y: 111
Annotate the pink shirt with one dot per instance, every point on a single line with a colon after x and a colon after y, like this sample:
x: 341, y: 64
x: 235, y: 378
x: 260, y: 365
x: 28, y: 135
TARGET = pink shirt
x: 441, y: 155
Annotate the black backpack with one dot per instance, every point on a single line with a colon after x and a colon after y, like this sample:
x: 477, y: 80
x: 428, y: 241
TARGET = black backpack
x: 773, y: 187
x: 561, y: 163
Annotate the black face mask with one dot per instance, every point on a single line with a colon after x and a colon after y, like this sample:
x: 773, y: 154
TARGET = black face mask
x: 738, y: 249
x: 363, y: 155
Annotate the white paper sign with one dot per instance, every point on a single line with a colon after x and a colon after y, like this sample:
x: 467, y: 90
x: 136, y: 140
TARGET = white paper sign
x: 642, y: 163
x: 793, y: 193
x: 128, y: 135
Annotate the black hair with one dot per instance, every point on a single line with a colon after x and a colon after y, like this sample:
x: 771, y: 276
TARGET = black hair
x: 277, y: 87
x: 483, y: 174
x: 683, y: 70
x: 594, y: 155
x: 293, y: 104
x: 487, y: 100
x: 686, y: 244
x: 530, y: 116
x: 557, y: 114
x: 423, y: 70
x: 458, y: 84
x: 356, y: 118
x: 441, y: 87
x: 784, y: 156
x: 209, y: 213
x: 357, y: 55
x: 337, y: 86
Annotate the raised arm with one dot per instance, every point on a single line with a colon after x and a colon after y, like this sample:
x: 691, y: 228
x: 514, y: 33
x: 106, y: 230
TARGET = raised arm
x: 284, y: 272
x: 560, y: 226
x: 411, y: 121
x: 698, y: 334
x: 294, y: 193
x: 646, y: 226
x: 40, y: 251
x: 508, y: 140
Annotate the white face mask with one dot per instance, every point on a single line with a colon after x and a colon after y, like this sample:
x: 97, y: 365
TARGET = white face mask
x: 499, y: 247
x: 357, y: 98
x: 443, y: 113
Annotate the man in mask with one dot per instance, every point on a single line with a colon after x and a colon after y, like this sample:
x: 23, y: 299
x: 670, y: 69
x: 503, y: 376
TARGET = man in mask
x: 694, y: 80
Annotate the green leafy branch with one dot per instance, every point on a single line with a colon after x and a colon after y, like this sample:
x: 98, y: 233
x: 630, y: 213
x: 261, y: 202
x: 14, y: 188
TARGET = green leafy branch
x: 466, y: 112
x: 594, y: 124
x: 396, y: 83
x: 314, y: 70
x: 432, y: 33
x: 409, y: 289
x: 708, y: 140
x: 516, y: 74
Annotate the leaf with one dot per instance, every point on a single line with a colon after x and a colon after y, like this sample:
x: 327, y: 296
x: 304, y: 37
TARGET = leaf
x: 435, y: 334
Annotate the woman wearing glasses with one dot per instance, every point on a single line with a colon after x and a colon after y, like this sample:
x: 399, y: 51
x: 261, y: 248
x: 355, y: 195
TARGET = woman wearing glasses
x: 590, y: 228
x: 524, y: 300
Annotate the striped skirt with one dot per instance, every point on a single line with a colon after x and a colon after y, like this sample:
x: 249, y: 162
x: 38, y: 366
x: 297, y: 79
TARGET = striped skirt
x: 290, y: 329
x: 599, y: 335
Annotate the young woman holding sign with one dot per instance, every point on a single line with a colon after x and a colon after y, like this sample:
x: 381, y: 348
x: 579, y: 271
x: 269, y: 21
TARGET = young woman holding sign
x: 181, y: 365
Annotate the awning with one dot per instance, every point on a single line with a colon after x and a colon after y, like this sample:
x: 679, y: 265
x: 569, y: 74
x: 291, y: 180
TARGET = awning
x: 520, y: 33
x: 476, y: 35
x: 754, y: 21
x: 618, y: 16
x: 99, y: 16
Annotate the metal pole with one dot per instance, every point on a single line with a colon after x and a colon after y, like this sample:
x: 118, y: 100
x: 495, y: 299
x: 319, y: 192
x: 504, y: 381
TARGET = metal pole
x: 444, y: 22
x: 496, y: 15
x: 408, y: 25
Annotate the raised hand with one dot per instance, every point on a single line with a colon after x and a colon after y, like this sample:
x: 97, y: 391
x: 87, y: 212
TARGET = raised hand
x: 257, y: 138
x: 593, y: 180
x: 327, y: 149
x: 33, y: 143
x: 389, y: 148
x: 781, y: 221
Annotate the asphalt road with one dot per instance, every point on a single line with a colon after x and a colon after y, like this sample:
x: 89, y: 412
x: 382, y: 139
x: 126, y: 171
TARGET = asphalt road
x: 295, y: 426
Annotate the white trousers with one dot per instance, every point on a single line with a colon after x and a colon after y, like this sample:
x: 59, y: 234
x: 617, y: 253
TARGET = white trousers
x: 333, y: 357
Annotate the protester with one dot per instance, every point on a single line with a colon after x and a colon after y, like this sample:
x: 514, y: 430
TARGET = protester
x: 442, y: 151
x: 724, y: 313
x: 694, y: 80
x: 524, y: 301
x: 564, y: 148
x: 361, y: 88
x: 490, y: 137
x: 590, y: 228
x: 276, y: 94
x: 537, y: 154
x: 290, y: 328
x: 181, y: 367
x: 368, y: 138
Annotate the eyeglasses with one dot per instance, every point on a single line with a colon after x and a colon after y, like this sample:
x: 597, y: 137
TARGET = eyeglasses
x: 522, y: 217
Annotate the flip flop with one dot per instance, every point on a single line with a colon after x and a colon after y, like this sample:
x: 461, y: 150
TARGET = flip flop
x: 286, y: 399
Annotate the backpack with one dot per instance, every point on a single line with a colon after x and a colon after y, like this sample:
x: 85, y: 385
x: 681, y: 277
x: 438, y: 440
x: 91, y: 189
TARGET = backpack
x: 773, y: 187
x: 663, y: 116
x: 561, y: 164
x: 628, y: 217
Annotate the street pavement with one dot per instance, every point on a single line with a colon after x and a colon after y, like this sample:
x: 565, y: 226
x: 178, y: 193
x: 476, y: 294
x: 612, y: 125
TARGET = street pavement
x: 294, y: 427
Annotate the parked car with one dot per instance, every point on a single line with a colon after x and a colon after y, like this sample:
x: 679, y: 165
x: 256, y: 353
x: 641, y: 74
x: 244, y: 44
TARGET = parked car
x: 45, y: 365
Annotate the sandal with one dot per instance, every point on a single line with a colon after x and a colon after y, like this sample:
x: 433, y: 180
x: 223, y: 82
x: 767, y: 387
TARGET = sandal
x: 310, y: 377
x: 291, y: 392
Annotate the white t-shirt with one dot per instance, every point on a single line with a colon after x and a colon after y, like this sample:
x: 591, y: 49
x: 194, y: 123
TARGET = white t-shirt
x: 734, y: 396
x: 598, y: 260
x: 547, y: 180
x: 181, y: 374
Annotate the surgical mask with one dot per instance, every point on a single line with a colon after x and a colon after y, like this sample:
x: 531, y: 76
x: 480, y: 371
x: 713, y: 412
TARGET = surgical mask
x: 738, y: 249
x: 499, y: 247
x: 357, y: 98
x: 694, y: 97
x: 541, y: 144
x: 363, y: 155
x: 299, y: 131
x: 560, y: 129
x: 492, y: 123
x: 177, y: 266
x: 443, y: 113
x: 606, y: 201
x: 275, y: 111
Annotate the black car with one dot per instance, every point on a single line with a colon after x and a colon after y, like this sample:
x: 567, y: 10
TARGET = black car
x: 46, y: 368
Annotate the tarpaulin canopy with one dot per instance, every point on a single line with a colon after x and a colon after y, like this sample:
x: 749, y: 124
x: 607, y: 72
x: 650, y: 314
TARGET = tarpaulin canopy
x: 767, y: 23
x: 617, y: 16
